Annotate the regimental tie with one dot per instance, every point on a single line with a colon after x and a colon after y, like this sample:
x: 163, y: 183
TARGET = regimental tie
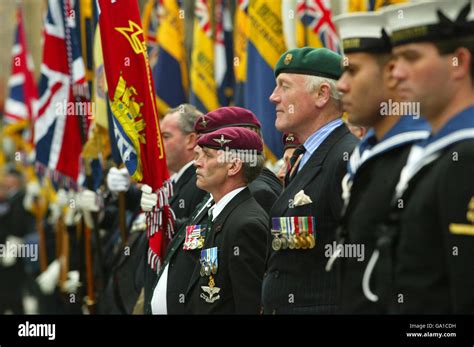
x: 294, y: 163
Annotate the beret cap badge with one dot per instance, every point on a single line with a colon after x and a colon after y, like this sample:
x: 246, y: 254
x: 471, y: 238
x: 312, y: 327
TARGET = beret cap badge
x: 222, y: 140
x: 203, y: 122
x: 288, y: 58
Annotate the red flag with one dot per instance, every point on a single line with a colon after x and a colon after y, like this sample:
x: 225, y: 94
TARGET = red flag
x: 132, y: 99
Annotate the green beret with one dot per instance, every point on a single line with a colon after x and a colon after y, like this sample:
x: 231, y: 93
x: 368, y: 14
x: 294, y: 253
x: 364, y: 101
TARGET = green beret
x: 310, y: 61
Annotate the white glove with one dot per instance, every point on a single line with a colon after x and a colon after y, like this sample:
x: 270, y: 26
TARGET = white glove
x: 72, y: 282
x: 48, y: 279
x: 32, y: 191
x: 149, y: 199
x: 62, y: 198
x: 89, y: 201
x: 8, y: 259
x: 69, y: 219
x: 118, y: 180
x: 139, y: 224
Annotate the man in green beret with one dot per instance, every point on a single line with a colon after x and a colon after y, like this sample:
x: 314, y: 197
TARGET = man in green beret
x: 305, y: 216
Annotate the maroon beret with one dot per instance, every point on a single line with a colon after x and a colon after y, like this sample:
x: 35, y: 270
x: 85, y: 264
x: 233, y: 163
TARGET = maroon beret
x: 290, y: 141
x: 226, y: 117
x: 232, y: 138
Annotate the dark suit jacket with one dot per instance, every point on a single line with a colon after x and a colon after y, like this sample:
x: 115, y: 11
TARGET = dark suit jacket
x: 266, y: 189
x: 295, y: 280
x: 239, y: 233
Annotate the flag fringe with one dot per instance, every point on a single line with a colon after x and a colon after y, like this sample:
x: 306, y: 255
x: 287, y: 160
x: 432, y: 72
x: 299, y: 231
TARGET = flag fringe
x: 158, y: 219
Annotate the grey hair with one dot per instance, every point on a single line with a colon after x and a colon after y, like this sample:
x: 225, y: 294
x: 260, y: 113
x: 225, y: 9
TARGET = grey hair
x: 313, y: 83
x: 188, y: 114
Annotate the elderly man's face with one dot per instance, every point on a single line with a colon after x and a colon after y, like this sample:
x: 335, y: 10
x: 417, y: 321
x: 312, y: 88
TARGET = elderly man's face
x: 211, y: 172
x: 295, y: 105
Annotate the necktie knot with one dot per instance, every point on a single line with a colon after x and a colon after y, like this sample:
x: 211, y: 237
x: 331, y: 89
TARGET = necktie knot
x: 296, y: 154
x: 293, y: 161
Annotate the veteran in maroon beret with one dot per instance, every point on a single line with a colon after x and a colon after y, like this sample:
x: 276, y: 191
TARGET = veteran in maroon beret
x: 170, y: 292
x: 228, y: 277
x: 266, y: 187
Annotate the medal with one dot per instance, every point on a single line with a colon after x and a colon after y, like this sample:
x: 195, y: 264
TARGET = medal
x: 200, y: 243
x: 276, y: 243
x: 297, y: 242
x: 312, y: 231
x: 193, y: 244
x: 194, y: 235
x: 291, y: 242
x: 208, y: 261
x: 312, y: 242
x: 284, y: 243
x: 304, y: 244
x: 210, y: 292
x: 207, y: 270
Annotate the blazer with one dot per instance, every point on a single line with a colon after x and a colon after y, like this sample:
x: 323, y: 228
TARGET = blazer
x: 239, y: 233
x: 295, y: 280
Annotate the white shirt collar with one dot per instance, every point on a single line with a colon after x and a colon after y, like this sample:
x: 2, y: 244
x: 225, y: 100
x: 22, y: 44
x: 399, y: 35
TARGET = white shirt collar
x: 219, y: 207
x: 175, y: 177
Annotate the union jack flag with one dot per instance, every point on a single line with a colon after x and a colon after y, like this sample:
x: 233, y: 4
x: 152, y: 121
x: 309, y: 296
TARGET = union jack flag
x: 21, y: 105
x: 62, y: 122
x: 203, y: 16
x: 316, y: 15
x: 243, y: 5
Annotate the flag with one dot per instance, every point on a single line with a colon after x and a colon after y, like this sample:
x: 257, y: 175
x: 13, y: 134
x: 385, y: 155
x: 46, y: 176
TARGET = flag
x: 240, y: 50
x: 203, y: 79
x: 223, y: 52
x: 170, y: 73
x: 21, y: 105
x: 151, y: 22
x: 102, y: 112
x: 315, y: 27
x: 369, y: 5
x: 64, y: 109
x: 87, y: 21
x: 265, y: 46
x: 135, y: 114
